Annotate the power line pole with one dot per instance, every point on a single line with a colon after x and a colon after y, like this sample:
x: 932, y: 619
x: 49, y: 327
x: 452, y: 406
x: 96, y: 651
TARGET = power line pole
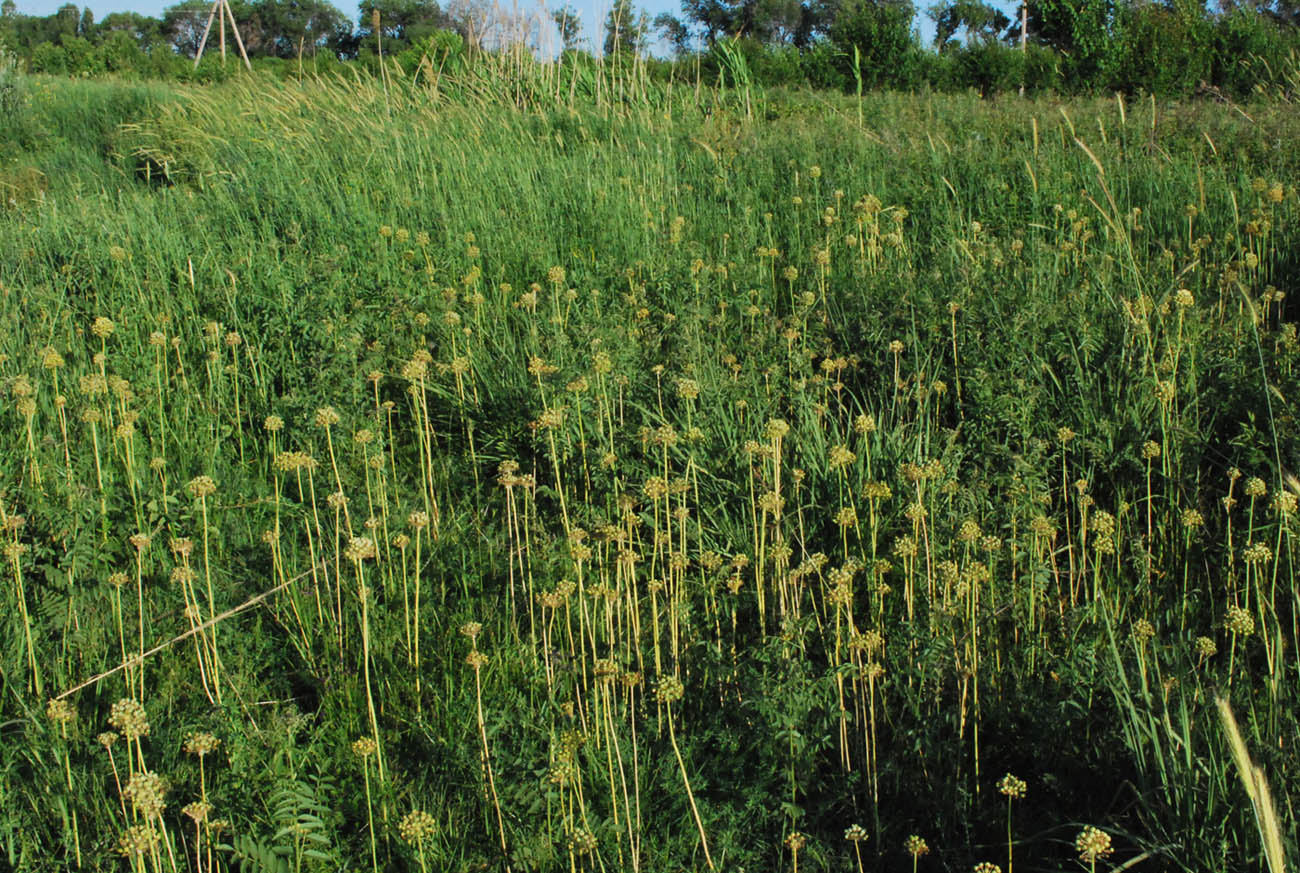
x: 221, y: 11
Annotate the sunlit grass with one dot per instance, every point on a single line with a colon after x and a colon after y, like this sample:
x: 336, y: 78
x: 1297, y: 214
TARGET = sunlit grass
x: 640, y: 479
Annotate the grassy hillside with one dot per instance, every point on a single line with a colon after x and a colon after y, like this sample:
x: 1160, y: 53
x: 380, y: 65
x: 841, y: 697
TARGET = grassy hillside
x: 519, y: 473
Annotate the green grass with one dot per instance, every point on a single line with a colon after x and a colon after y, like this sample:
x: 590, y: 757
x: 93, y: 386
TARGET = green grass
x: 711, y: 468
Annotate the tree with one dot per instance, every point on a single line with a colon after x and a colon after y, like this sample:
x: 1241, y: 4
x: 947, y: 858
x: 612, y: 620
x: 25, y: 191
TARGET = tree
x: 1083, y: 30
x: 570, y: 25
x: 878, y: 33
x: 980, y: 21
x: 771, y: 22
x: 65, y: 21
x: 677, y: 34
x: 8, y: 9
x: 625, y: 29
x: 183, y: 25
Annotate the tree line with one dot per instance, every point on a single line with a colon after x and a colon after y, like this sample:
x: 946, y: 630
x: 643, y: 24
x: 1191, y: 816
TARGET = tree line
x: 1168, y: 47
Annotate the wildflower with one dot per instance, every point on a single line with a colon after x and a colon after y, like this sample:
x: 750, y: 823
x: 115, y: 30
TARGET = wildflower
x: 1012, y: 787
x: 202, y: 486
x: 915, y: 846
x: 1092, y: 844
x: 137, y: 840
x: 855, y: 833
x: 669, y: 689
x: 416, y: 826
x: 1239, y: 622
x: 129, y: 717
x: 60, y: 711
x: 147, y: 793
x: 360, y: 549
x: 201, y: 743
x: 198, y: 811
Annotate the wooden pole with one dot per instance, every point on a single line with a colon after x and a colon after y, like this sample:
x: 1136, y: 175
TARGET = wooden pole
x: 239, y: 40
x: 207, y: 28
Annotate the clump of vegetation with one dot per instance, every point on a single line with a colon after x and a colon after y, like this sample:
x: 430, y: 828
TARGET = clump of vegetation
x: 506, y: 470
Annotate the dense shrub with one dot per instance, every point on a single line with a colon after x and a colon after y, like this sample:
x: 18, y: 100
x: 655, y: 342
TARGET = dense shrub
x: 1165, y: 51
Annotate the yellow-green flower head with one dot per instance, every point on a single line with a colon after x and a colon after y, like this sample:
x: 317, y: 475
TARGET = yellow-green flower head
x: 129, y: 717
x: 1013, y: 787
x: 416, y: 826
x: 147, y: 793
x: 202, y: 486
x: 137, y: 840
x: 201, y: 743
x: 326, y: 417
x: 1092, y: 844
x: 1239, y: 622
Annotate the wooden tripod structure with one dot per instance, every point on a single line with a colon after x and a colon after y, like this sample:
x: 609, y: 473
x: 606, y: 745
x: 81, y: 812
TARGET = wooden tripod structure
x: 221, y: 11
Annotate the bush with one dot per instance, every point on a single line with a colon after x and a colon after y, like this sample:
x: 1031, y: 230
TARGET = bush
x: 881, y: 33
x: 1165, y: 51
x: 49, y: 58
x: 1248, y: 50
x: 990, y: 67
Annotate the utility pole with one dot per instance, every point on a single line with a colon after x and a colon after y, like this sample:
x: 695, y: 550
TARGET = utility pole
x: 221, y: 11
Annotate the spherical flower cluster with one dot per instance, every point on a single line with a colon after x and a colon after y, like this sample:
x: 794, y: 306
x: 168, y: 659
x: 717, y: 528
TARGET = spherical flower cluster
x: 669, y: 689
x: 1256, y: 553
x: 987, y: 867
x: 416, y: 826
x: 795, y: 841
x: 137, y: 840
x: 582, y: 841
x: 1143, y: 631
x: 60, y: 711
x: 201, y: 743
x: 915, y: 846
x: 326, y: 417
x: 147, y: 793
x: 855, y: 833
x: 1092, y: 844
x: 202, y: 486
x: 1012, y: 787
x: 1205, y: 647
x: 129, y: 717
x: 198, y: 811
x: 360, y: 549
x: 1239, y: 622
x: 364, y: 747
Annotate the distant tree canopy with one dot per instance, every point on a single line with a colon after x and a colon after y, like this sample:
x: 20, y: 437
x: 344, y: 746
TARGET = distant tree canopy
x: 1168, y: 47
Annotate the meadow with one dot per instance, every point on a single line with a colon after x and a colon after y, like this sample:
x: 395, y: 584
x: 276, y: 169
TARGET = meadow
x: 520, y: 471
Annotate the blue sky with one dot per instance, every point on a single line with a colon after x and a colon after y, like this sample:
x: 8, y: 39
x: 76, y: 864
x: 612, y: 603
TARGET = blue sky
x: 591, y: 11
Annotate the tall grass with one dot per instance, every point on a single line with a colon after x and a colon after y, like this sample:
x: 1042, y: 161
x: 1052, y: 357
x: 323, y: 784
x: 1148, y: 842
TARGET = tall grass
x: 532, y: 474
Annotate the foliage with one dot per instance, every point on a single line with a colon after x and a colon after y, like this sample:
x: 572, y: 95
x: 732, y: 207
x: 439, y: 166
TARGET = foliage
x: 540, y: 465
